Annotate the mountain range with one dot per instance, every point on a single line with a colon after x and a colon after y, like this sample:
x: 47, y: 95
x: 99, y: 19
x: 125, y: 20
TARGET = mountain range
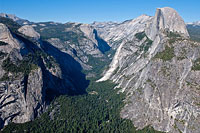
x: 154, y: 61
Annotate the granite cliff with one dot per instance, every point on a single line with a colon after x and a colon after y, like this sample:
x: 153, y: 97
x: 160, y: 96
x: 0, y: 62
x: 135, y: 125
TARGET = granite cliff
x: 157, y: 67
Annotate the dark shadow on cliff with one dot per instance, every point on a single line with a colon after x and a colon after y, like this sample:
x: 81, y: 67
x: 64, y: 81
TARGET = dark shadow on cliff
x: 102, y: 45
x: 73, y: 81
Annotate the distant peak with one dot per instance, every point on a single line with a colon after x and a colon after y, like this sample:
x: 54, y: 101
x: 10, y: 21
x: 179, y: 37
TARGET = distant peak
x: 15, y: 18
x: 11, y: 16
x: 197, y: 23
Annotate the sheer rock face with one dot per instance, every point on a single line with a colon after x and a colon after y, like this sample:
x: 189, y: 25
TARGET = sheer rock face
x: 167, y: 19
x: 89, y: 44
x: 6, y: 36
x: 25, y: 95
x: 21, y: 103
x: 21, y: 97
x: 163, y: 93
x: 88, y: 32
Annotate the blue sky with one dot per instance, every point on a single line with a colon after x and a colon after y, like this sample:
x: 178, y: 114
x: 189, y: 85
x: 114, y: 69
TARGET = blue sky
x: 87, y: 11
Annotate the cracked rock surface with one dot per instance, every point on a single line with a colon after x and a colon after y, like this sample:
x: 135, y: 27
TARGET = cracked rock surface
x: 160, y: 80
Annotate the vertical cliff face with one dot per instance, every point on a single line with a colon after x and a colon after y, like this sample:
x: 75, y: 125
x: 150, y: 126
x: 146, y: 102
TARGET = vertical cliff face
x: 32, y: 73
x: 7, y: 37
x: 23, y: 98
x: 20, y: 96
x: 158, y: 71
x: 164, y: 92
x: 167, y: 19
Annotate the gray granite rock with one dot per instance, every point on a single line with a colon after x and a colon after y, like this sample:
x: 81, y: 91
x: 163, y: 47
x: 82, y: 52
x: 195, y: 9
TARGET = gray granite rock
x: 161, y: 93
x: 21, y: 103
x: 25, y: 95
x: 29, y: 31
x: 166, y: 19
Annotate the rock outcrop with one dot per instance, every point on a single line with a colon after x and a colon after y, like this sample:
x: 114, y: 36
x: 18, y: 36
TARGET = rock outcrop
x: 29, y: 31
x: 21, y: 101
x: 7, y: 37
x: 166, y: 19
x: 31, y: 76
x: 157, y: 69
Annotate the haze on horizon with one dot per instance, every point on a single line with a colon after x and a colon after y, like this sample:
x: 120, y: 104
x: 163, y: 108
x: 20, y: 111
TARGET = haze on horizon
x: 88, y: 11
